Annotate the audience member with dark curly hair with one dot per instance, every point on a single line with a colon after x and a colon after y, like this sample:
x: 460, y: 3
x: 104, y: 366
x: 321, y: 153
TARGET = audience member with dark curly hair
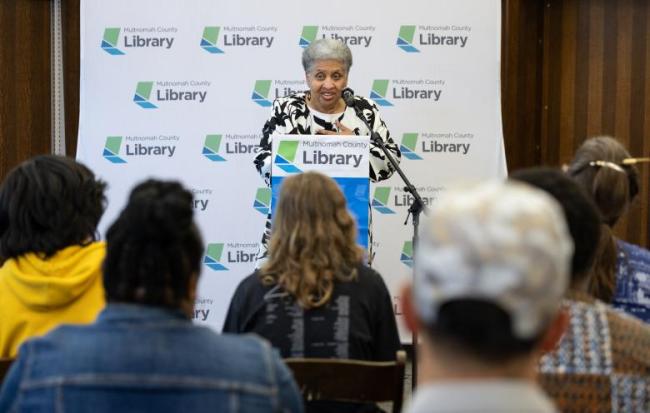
x: 143, y: 354
x: 49, y: 210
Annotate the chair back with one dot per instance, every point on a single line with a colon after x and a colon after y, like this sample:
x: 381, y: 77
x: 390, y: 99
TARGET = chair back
x: 5, y: 363
x: 350, y: 380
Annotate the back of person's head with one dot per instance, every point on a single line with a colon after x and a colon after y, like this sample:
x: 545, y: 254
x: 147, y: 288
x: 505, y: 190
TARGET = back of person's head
x: 598, y: 167
x: 48, y: 203
x: 154, y: 248
x: 313, y: 242
x: 580, y: 212
x: 491, y: 269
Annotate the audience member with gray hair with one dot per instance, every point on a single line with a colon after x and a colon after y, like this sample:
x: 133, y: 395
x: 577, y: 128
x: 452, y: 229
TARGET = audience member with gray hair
x: 322, y: 110
x: 491, y: 269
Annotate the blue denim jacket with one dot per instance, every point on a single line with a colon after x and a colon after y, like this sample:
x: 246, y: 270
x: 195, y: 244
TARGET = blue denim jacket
x: 145, y: 359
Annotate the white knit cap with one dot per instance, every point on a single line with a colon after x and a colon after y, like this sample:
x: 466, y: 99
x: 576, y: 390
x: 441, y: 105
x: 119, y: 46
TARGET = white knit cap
x: 502, y: 242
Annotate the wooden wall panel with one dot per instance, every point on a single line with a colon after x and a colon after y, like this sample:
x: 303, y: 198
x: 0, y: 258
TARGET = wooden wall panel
x: 24, y: 81
x: 521, y: 81
x: 70, y: 14
x: 596, y: 71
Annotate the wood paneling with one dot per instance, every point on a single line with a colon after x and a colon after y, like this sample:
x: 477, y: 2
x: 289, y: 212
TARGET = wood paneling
x: 24, y: 81
x: 70, y: 14
x: 521, y: 81
x: 596, y: 65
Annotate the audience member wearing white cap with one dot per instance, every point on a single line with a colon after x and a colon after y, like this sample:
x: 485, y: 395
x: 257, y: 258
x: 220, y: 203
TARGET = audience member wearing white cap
x: 490, y: 272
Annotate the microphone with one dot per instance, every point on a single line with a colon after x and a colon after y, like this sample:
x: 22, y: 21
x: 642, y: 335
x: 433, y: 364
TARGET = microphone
x: 348, y: 96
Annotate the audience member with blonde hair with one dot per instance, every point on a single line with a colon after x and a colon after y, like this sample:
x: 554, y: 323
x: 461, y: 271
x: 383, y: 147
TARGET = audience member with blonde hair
x: 314, y: 297
x: 605, y: 169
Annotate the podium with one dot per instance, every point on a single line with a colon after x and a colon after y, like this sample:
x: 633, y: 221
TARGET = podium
x: 343, y: 158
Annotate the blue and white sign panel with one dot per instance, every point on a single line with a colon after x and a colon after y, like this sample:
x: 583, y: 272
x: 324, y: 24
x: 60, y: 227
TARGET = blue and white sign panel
x: 343, y: 158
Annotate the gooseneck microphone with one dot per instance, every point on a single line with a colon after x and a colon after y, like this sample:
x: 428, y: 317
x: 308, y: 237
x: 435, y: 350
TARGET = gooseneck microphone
x: 348, y: 96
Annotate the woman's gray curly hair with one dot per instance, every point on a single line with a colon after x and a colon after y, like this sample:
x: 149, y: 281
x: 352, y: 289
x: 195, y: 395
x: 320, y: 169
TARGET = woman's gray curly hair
x: 326, y: 49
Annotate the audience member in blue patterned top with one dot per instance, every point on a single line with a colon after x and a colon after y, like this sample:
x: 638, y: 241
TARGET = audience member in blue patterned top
x: 622, y: 271
x: 602, y: 363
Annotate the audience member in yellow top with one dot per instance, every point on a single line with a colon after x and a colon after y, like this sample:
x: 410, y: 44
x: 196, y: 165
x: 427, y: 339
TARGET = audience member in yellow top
x: 51, y: 262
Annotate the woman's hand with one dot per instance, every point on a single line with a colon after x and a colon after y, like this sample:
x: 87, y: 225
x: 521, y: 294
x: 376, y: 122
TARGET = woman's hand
x: 342, y: 130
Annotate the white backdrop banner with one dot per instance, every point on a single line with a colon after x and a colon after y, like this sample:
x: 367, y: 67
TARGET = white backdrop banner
x: 180, y: 90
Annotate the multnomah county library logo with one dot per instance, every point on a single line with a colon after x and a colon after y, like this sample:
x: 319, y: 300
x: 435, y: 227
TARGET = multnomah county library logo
x: 407, y: 254
x: 262, y: 201
x: 405, y: 39
x: 137, y: 38
x: 143, y: 94
x: 216, y: 38
x: 356, y: 35
x: 308, y: 35
x: 231, y: 253
x: 112, y: 149
x: 261, y: 93
x: 378, y: 92
x: 211, y: 148
x: 221, y: 147
x: 110, y: 41
x: 210, y: 38
x: 183, y: 91
x: 405, y: 90
x: 409, y: 146
x: 432, y: 36
x: 212, y: 258
x: 286, y: 155
x: 380, y: 200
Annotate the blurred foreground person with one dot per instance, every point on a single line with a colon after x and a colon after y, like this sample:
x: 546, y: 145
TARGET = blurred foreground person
x: 602, y: 363
x: 314, y: 297
x: 51, y: 273
x: 144, y: 354
x: 621, y: 276
x: 490, y: 272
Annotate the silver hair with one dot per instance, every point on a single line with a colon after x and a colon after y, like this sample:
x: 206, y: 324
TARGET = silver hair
x: 326, y: 49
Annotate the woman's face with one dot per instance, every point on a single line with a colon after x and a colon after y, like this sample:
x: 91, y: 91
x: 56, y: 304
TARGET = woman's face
x: 326, y: 81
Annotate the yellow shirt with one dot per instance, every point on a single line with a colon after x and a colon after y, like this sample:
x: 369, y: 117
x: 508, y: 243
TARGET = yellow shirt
x: 38, y: 294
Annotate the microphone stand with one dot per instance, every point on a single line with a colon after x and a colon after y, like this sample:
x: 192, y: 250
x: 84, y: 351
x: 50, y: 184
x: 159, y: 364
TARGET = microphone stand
x: 415, y: 209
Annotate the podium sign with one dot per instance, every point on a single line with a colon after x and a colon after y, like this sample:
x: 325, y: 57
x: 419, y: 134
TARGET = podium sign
x: 343, y: 158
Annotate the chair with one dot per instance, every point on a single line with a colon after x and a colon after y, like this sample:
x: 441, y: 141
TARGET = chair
x: 5, y: 363
x: 350, y: 380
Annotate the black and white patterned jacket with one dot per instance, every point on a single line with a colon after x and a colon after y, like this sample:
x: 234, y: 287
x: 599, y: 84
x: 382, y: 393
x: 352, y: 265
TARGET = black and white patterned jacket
x: 291, y: 116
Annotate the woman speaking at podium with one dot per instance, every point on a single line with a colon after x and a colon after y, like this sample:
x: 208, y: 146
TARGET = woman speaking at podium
x: 322, y: 110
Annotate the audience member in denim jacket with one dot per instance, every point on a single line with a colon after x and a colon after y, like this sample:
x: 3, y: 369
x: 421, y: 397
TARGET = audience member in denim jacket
x: 143, y: 354
x: 604, y: 168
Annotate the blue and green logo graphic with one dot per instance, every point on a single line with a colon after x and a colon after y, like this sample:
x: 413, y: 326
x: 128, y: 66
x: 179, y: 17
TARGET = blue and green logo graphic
x: 378, y: 92
x: 142, y: 94
x: 407, y: 254
x: 286, y: 155
x: 261, y: 93
x: 405, y: 39
x: 110, y: 41
x: 212, y: 257
x: 262, y: 201
x: 380, y: 200
x: 211, y: 148
x: 210, y: 38
x: 112, y: 149
x: 308, y: 35
x: 408, y: 146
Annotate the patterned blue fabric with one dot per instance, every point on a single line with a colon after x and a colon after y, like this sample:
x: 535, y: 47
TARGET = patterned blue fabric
x: 633, y: 281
